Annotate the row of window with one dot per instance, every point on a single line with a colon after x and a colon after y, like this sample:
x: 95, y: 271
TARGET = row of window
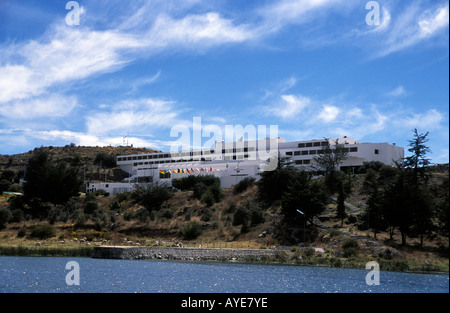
x: 312, y: 144
x: 311, y: 152
x: 183, y: 154
x: 233, y: 157
x: 302, y: 162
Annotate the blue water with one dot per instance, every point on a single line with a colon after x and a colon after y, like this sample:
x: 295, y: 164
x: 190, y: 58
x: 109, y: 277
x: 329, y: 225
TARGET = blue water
x: 48, y: 274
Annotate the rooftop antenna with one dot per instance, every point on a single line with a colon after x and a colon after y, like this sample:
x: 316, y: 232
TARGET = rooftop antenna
x: 126, y: 137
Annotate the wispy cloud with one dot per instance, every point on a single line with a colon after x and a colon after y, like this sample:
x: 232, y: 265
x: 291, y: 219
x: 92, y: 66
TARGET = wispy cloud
x: 52, y: 106
x: 409, y: 26
x: 397, y: 92
x: 138, y: 115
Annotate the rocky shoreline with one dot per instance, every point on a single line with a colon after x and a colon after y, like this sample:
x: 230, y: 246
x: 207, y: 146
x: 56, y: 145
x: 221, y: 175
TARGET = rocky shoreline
x: 182, y: 254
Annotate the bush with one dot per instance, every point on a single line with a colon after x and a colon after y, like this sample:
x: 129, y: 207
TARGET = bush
x: 199, y: 189
x: 5, y: 216
x: 241, y: 216
x: 91, y: 207
x: 188, y: 183
x: 191, y: 231
x: 243, y: 185
x: 208, y: 198
x: 207, y: 214
x: 43, y: 231
x: 350, y: 243
x: 349, y: 252
x: 256, y: 216
x: 22, y: 232
x: 166, y: 213
x: 142, y: 214
x: 151, y: 196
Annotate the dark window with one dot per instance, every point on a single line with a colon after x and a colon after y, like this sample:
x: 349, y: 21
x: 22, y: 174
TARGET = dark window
x: 317, y: 144
x: 289, y: 153
x: 306, y: 161
x: 354, y: 149
x: 308, y: 144
x: 312, y: 151
x: 301, y: 145
x: 305, y: 152
x: 296, y: 152
x: 377, y: 151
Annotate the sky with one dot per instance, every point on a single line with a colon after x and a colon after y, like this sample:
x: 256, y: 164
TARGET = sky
x: 138, y: 72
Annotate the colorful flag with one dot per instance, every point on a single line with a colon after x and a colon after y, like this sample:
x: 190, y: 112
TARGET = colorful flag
x: 161, y: 172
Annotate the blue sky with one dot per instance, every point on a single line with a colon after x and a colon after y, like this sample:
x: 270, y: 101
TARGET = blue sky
x: 314, y: 68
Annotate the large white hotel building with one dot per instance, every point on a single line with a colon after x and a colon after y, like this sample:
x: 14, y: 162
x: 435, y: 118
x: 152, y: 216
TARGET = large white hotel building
x: 234, y: 161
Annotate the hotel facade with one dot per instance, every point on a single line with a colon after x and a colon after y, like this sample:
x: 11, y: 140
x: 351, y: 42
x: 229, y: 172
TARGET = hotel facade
x: 234, y: 161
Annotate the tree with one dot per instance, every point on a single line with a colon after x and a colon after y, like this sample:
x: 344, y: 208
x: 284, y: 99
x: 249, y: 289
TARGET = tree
x: 418, y: 174
x: 373, y: 187
x: 418, y: 161
x: 273, y: 184
x: 151, y: 195
x: 328, y: 160
x: 49, y: 181
x: 303, y: 194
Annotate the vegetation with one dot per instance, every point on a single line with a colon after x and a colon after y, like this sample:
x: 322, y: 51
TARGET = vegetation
x: 405, y: 208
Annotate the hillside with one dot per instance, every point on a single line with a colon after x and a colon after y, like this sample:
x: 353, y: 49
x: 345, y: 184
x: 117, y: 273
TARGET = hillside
x: 237, y: 220
x: 326, y: 245
x: 81, y: 157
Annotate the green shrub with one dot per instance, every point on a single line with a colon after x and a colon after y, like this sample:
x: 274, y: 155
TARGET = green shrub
x: 350, y: 243
x: 243, y: 185
x: 5, y: 216
x: 42, y: 231
x: 207, y: 214
x: 256, y: 216
x: 208, y: 198
x: 199, y: 189
x: 90, y: 207
x: 166, y: 214
x: 349, y: 252
x: 241, y: 216
x: 191, y: 231
x: 22, y: 232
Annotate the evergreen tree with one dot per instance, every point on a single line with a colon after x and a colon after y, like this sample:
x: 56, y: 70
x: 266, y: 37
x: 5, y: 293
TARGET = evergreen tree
x: 327, y: 162
x: 304, y: 194
x: 49, y: 181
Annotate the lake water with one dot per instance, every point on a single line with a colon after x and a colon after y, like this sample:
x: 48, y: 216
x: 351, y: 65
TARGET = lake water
x: 48, y: 274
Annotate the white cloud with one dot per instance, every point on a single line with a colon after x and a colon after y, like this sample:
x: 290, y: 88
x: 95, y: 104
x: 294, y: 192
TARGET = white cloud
x: 397, y: 92
x: 411, y: 27
x: 196, y: 32
x: 432, y: 22
x: 289, y: 106
x: 429, y: 120
x: 139, y: 115
x: 285, y: 12
x: 329, y: 113
x: 53, y: 106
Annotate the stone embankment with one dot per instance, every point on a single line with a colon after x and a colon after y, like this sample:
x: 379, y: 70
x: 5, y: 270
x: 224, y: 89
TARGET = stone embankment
x: 184, y: 254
